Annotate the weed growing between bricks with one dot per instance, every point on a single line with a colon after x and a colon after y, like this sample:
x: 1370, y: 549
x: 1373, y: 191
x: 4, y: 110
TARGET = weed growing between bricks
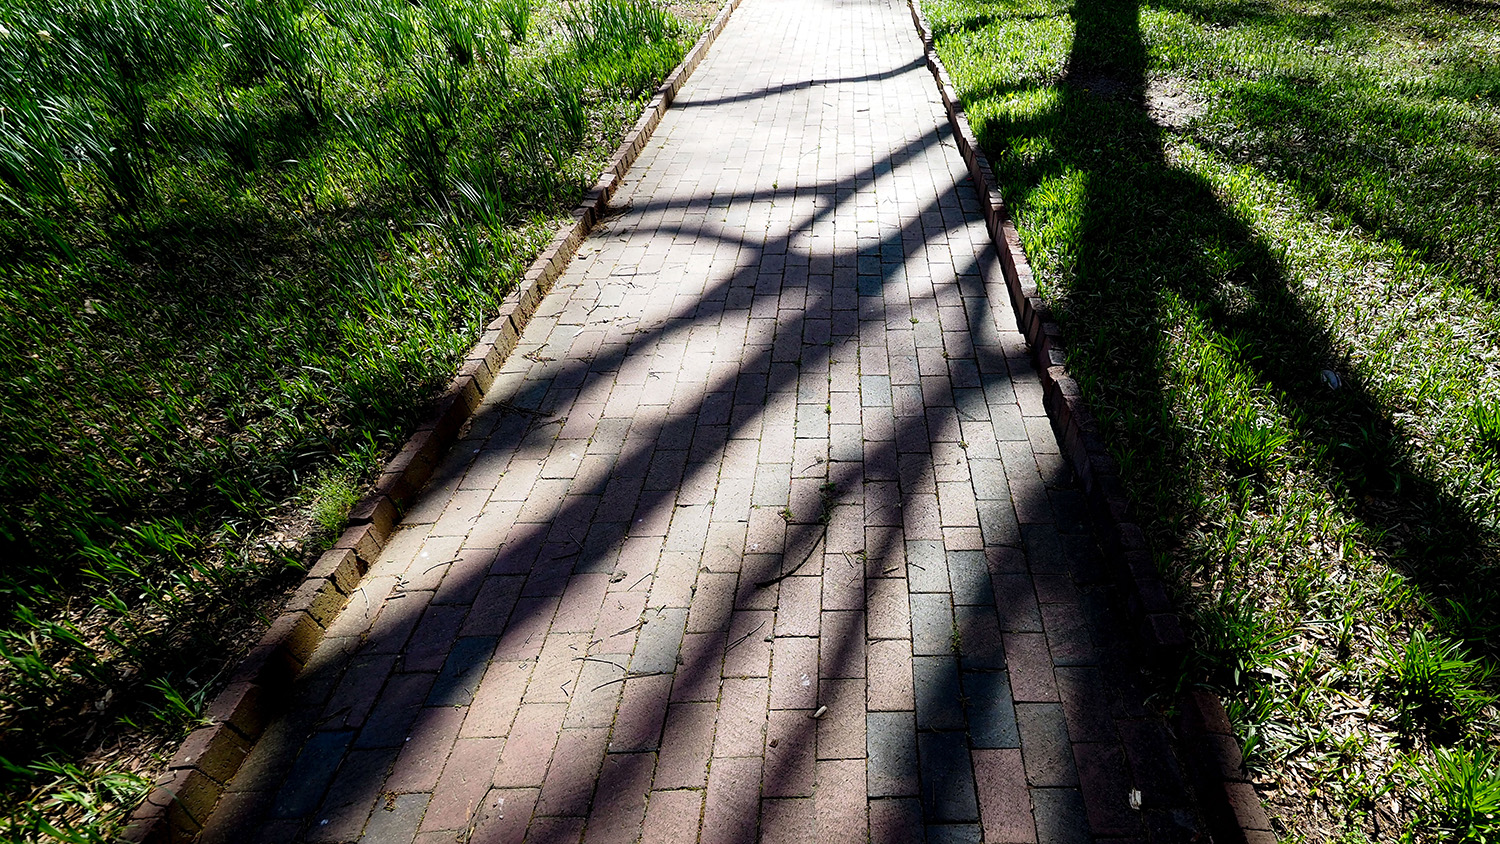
x: 1277, y: 303
x: 246, y: 245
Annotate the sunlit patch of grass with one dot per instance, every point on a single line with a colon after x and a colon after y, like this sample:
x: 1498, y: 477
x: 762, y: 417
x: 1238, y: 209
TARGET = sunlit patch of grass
x: 1433, y: 684
x: 516, y: 15
x: 90, y: 797
x: 1461, y: 794
x: 1485, y: 417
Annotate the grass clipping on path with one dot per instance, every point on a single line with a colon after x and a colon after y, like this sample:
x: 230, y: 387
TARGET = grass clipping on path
x: 244, y: 244
x: 1270, y: 233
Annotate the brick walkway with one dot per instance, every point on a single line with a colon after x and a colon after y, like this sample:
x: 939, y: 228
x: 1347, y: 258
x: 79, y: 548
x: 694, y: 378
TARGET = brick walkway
x: 762, y: 534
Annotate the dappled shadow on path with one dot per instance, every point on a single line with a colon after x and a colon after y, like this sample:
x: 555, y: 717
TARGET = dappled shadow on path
x: 825, y: 401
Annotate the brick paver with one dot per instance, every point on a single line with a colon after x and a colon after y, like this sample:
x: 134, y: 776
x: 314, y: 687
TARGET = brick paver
x: 761, y: 533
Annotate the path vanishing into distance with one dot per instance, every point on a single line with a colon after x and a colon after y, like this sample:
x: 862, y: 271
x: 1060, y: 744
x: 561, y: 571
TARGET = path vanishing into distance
x: 762, y: 534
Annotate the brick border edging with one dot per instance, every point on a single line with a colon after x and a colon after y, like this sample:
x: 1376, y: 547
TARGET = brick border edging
x: 182, y: 799
x: 1229, y: 799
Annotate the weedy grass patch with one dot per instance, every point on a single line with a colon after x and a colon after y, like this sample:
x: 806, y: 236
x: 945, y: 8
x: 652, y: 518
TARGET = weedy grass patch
x: 1269, y: 233
x: 243, y: 244
x: 1461, y: 791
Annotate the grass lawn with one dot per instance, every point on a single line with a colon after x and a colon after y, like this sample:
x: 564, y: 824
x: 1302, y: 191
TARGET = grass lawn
x: 1270, y: 229
x: 242, y: 244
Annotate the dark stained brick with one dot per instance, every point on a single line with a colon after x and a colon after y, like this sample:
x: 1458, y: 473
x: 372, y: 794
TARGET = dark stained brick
x: 992, y: 715
x: 462, y: 672
x: 947, y: 778
x: 1044, y: 745
x: 892, y: 746
x: 310, y: 774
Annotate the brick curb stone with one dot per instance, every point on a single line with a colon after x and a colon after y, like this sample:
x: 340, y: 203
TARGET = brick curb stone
x: 182, y: 798
x: 1214, y: 757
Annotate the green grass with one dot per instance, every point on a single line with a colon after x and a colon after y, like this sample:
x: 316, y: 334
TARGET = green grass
x: 244, y: 245
x: 1461, y: 791
x: 1269, y: 232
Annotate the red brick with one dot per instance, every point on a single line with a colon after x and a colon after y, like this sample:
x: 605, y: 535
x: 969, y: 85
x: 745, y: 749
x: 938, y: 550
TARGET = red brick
x: 766, y: 532
x: 840, y: 800
x: 702, y: 659
x: 398, y: 616
x: 579, y: 608
x: 394, y: 711
x: 920, y: 517
x: 748, y: 653
x: 841, y: 729
x: 351, y: 796
x: 1106, y: 789
x: 492, y: 605
x: 742, y: 718
x: 672, y: 817
x: 890, y: 681
x: 1206, y: 714
x: 571, y: 776
x: 797, y: 612
x: 686, y: 746
x: 428, y: 568
x: 1005, y: 560
x: 790, y: 768
x: 1153, y: 764
x: 504, y: 816
x: 619, y: 806
x: 556, y: 673
x: 1067, y: 634
x: 1055, y: 589
x: 433, y: 638
x: 843, y: 655
x: 464, y: 782
x: 713, y: 601
x: 963, y: 539
x: 731, y: 809
x: 553, y: 830
x: 957, y: 505
x: 846, y: 530
x: 619, y: 619
x: 1245, y: 804
x: 1085, y: 704
x: 792, y: 820
x: 1030, y: 666
x: 1221, y: 757
x: 643, y: 708
x: 426, y: 749
x: 529, y: 746
x: 1004, y: 801
x: 843, y: 582
x: 638, y: 558
x: 527, y: 629
x: 496, y: 701
x: 889, y: 615
x: 794, y: 673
